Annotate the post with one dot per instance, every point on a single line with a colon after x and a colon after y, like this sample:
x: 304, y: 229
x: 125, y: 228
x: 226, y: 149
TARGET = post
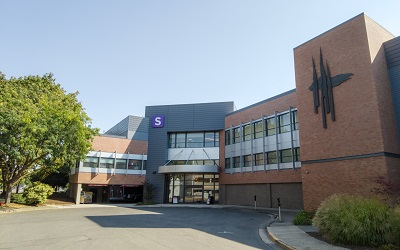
x: 279, y: 209
x: 255, y: 202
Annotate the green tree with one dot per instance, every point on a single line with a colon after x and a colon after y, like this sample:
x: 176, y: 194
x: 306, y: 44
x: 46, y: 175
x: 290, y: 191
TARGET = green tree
x: 41, y: 126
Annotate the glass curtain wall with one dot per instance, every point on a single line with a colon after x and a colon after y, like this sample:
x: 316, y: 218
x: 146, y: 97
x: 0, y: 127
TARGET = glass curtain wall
x: 193, y: 188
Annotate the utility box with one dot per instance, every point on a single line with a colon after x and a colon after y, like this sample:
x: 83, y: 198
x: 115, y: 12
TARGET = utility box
x: 86, y: 197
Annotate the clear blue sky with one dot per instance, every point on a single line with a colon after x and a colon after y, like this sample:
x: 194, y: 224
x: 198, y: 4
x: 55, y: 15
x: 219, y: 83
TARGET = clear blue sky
x: 124, y: 55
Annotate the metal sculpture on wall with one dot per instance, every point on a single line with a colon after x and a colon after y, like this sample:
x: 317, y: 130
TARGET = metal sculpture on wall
x: 325, y: 83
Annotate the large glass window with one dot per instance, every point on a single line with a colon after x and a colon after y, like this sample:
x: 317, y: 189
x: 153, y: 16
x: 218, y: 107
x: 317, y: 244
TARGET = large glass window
x: 211, y: 139
x: 270, y: 126
x: 296, y: 154
x: 295, y: 121
x: 180, y: 140
x: 259, y: 159
x: 236, y: 162
x: 284, y: 123
x: 271, y: 157
x: 194, y: 140
x: 135, y: 164
x: 107, y: 163
x: 227, y: 137
x: 236, y: 135
x: 247, y: 160
x: 120, y: 164
x: 171, y: 140
x: 246, y: 132
x: 286, y: 155
x: 257, y: 130
x: 193, y: 188
x: 227, y: 163
x: 91, y: 162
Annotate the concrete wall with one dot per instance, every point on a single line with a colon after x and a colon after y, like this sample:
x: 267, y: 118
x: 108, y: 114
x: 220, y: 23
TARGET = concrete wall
x: 290, y: 194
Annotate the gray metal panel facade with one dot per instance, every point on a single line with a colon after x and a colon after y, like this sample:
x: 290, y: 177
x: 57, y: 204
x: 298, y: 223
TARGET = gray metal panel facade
x: 392, y: 51
x: 178, y: 118
x: 132, y: 127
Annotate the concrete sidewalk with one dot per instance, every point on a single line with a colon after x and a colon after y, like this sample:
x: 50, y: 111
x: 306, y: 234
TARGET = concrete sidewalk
x: 289, y: 236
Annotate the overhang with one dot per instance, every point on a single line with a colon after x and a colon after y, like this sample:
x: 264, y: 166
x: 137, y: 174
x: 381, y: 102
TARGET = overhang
x: 188, y: 169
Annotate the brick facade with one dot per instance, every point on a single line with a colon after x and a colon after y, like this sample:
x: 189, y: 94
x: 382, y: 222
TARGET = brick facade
x: 120, y: 145
x: 364, y: 112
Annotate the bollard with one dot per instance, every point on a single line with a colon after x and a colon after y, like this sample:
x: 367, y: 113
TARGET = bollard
x: 255, y: 202
x: 279, y: 209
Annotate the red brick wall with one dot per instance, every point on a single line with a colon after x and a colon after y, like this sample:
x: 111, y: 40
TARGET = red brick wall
x: 121, y: 145
x: 118, y: 179
x: 321, y: 180
x: 364, y: 111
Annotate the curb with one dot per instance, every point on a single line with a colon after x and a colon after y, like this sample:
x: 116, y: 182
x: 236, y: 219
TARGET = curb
x: 278, y: 241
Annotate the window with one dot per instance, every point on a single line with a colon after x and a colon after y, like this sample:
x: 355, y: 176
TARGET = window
x: 296, y: 154
x: 120, y: 164
x: 227, y: 163
x: 227, y: 137
x: 286, y: 155
x: 106, y: 162
x: 195, y: 140
x: 270, y: 126
x: 257, y: 130
x: 91, y: 162
x: 271, y: 157
x: 236, y: 135
x: 135, y: 164
x: 295, y: 122
x: 236, y: 162
x: 211, y: 139
x: 259, y: 159
x: 171, y: 140
x: 284, y: 123
x: 180, y: 140
x: 144, y: 165
x: 246, y: 132
x: 247, y: 160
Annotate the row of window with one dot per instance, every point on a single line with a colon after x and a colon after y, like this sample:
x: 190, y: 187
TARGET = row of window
x: 93, y: 162
x: 194, y: 162
x: 285, y: 156
x: 193, y: 140
x: 271, y: 127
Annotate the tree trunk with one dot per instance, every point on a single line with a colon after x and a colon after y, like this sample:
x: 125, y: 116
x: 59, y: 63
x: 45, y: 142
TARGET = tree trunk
x: 17, y: 191
x: 8, y: 193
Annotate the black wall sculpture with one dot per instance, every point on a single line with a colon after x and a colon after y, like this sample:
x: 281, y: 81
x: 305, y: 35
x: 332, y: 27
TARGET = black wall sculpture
x: 325, y: 83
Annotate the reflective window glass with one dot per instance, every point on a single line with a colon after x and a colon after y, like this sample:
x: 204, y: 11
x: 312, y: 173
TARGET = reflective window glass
x: 271, y: 157
x: 106, y: 162
x: 120, y: 164
x: 91, y: 162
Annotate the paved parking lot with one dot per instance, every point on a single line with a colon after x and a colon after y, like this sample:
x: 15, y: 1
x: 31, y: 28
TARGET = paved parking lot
x: 133, y: 228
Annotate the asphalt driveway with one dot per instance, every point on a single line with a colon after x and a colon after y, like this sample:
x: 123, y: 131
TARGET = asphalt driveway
x: 133, y: 228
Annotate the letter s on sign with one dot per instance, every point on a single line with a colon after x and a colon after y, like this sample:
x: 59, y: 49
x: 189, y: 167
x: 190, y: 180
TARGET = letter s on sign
x: 157, y: 121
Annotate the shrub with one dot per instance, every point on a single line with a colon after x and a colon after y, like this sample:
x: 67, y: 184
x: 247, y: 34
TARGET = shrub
x: 17, y: 198
x: 37, y: 193
x: 355, y: 220
x: 303, y: 218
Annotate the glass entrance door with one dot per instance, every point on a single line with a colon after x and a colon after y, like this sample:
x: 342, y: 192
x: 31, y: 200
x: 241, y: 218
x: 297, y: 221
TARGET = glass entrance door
x: 193, y: 194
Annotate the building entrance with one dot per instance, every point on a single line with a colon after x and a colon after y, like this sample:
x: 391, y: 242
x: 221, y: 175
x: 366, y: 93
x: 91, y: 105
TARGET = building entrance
x: 192, y: 188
